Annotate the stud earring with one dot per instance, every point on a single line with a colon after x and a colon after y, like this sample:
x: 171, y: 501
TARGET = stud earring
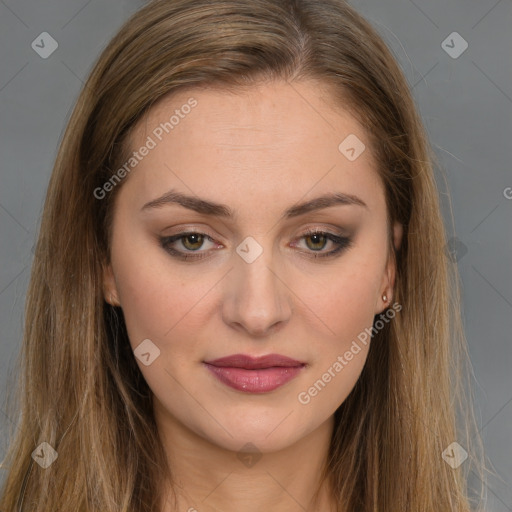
x: 385, y: 298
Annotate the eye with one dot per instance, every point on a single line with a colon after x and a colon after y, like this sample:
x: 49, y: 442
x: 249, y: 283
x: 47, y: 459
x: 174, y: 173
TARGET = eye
x: 193, y: 241
x: 317, y: 240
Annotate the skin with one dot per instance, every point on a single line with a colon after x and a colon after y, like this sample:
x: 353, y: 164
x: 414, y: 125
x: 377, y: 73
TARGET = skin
x: 259, y: 151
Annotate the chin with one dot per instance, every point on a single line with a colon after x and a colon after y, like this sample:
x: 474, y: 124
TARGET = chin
x: 270, y: 435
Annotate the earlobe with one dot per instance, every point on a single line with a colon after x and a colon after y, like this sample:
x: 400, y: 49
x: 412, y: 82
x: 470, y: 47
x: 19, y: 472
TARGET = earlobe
x: 388, y: 285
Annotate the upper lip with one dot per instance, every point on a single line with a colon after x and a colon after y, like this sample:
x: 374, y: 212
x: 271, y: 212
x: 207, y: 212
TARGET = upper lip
x: 253, y: 363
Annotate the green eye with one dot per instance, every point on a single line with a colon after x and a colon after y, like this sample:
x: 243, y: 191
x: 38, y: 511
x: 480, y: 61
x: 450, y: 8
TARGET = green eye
x: 193, y: 241
x: 319, y: 239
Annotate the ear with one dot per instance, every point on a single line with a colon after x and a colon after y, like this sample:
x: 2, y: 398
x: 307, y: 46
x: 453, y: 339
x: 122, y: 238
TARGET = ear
x: 398, y: 231
x: 388, y: 280
x: 110, y: 292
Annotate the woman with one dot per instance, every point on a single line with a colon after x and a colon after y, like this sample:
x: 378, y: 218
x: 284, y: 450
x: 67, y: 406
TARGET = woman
x: 240, y: 298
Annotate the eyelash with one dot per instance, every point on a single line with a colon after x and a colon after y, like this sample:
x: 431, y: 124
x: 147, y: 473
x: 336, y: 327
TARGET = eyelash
x: 342, y: 243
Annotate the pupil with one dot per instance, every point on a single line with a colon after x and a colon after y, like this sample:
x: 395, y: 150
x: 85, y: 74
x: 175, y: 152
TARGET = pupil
x: 193, y: 239
x: 317, y: 239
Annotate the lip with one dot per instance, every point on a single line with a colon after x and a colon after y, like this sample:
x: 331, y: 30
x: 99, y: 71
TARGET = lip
x: 255, y: 363
x: 255, y: 374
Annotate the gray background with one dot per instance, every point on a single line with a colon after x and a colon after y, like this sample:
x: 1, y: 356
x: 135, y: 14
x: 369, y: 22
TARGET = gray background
x: 466, y: 105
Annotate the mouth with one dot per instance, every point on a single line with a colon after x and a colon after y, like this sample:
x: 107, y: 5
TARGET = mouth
x: 255, y: 374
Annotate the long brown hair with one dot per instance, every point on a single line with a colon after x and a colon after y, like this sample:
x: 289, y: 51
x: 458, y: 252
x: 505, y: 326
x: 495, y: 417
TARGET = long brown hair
x: 80, y: 389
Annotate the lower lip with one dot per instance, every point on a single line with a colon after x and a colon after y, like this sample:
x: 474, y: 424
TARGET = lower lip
x: 255, y: 381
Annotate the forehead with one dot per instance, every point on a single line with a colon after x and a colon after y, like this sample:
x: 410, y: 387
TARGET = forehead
x: 261, y: 111
x: 267, y: 141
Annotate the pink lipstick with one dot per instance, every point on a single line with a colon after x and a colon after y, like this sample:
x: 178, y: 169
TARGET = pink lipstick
x: 255, y: 374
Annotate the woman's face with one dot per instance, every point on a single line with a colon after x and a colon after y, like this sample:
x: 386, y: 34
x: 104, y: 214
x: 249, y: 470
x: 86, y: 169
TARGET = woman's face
x: 247, y: 171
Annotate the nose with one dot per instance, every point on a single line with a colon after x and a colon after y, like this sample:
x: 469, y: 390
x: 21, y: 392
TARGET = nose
x: 256, y: 299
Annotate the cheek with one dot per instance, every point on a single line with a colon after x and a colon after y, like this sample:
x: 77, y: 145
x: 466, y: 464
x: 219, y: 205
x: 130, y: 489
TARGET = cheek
x: 157, y: 301
x: 160, y: 297
x: 340, y: 357
x: 345, y: 298
x: 345, y: 302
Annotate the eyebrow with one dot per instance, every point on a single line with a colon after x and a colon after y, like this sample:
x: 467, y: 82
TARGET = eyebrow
x: 221, y: 210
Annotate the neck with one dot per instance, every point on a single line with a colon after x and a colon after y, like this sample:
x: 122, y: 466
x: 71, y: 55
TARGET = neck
x: 209, y: 478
